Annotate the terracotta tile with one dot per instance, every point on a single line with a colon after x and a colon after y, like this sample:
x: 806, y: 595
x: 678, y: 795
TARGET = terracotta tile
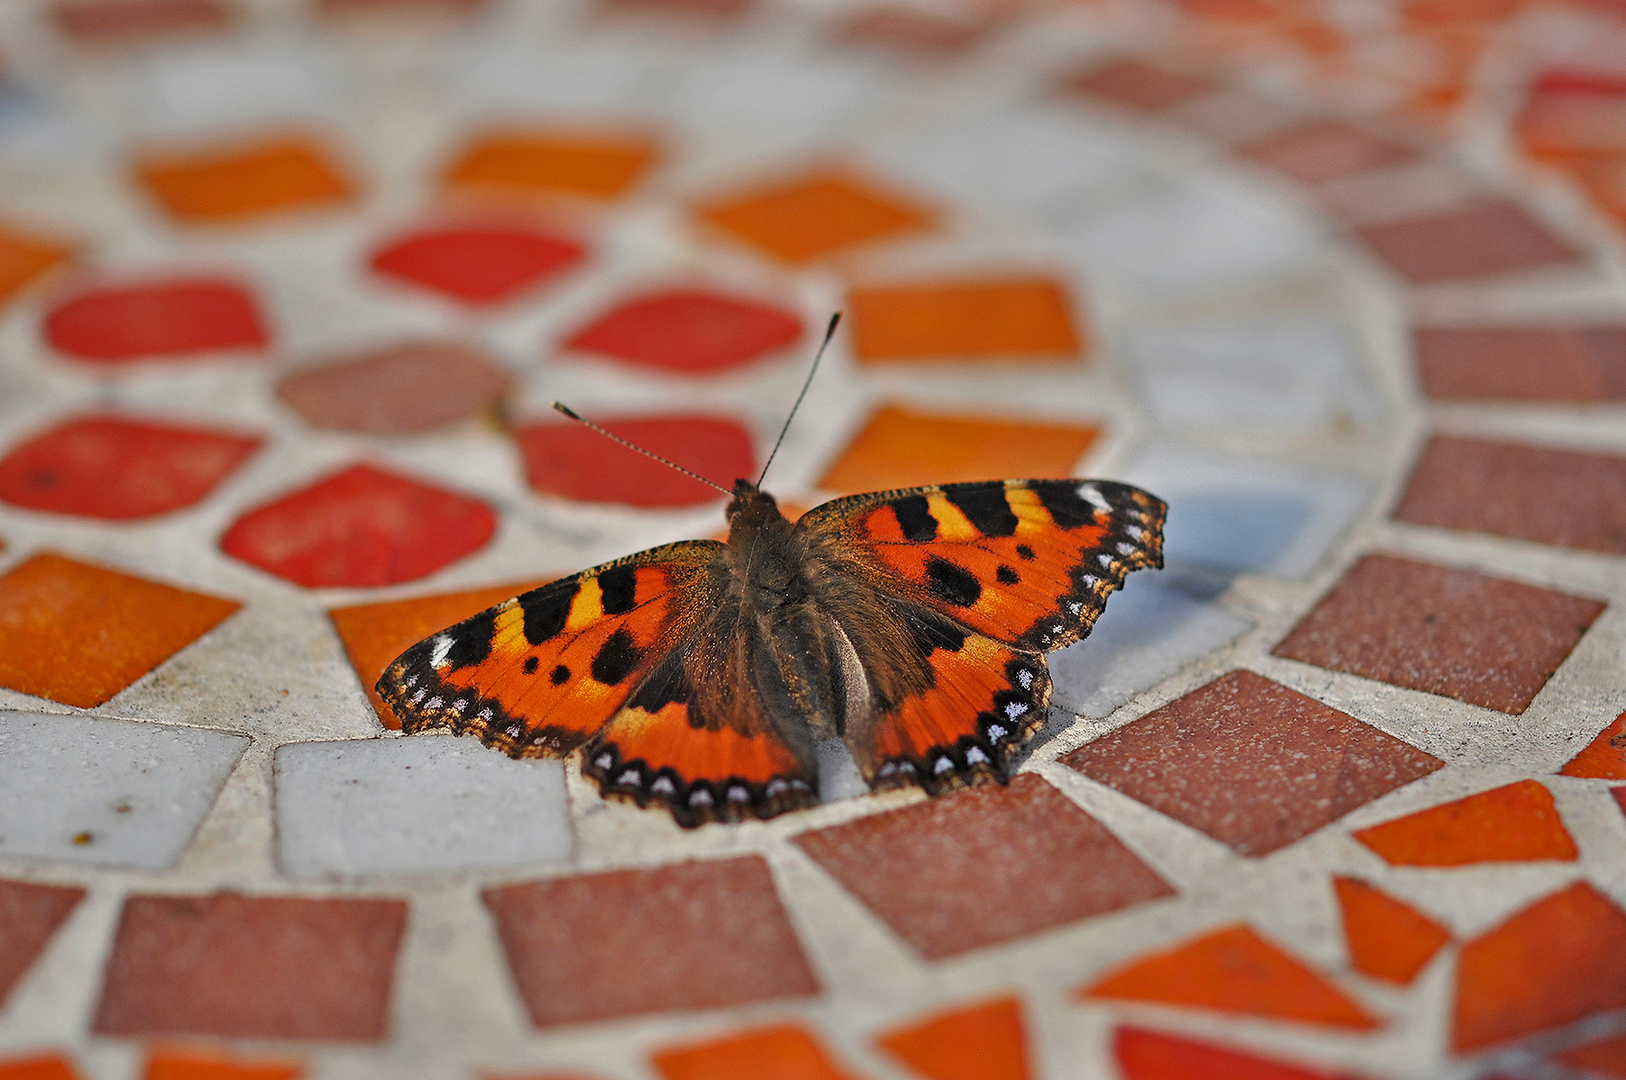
x: 575, y: 462
x: 602, y: 166
x: 1478, y: 639
x: 360, y: 527
x: 1152, y: 1055
x: 1515, y: 823
x: 1250, y: 762
x: 27, y: 257
x: 1620, y: 797
x: 1571, y: 113
x: 1325, y: 150
x: 1039, y: 862
x: 1535, y: 493
x: 1456, y: 12
x: 990, y: 319
x: 570, y: 941
x: 394, y: 9
x: 786, y: 1052
x: 983, y: 1042
x: 31, y: 914
x: 162, y: 318
x: 688, y: 331
x: 808, y: 217
x: 1559, y: 960
x: 272, y: 967
x: 1140, y: 86
x: 718, y: 11
x: 1582, y: 364
x: 912, y: 31
x: 401, y: 389
x: 901, y: 447
x: 1233, y: 970
x: 375, y: 634
x: 479, y: 265
x: 41, y: 1067
x: 118, y: 22
x: 1387, y: 939
x: 211, y: 185
x: 1604, y: 757
x: 78, y: 634
x: 1604, y: 182
x: 117, y: 469
x: 181, y: 1064
x: 1604, y: 1057
x: 1479, y: 239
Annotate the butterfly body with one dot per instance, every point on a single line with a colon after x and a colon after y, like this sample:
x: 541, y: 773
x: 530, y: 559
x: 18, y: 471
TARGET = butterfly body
x: 910, y: 624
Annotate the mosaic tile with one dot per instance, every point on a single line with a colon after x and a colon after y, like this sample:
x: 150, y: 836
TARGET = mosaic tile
x: 479, y: 265
x: 274, y: 967
x: 688, y: 331
x: 1571, y: 113
x: 1251, y: 763
x: 1139, y: 85
x: 360, y: 527
x: 175, y: 318
x: 1603, y: 1057
x: 571, y: 940
x: 243, y: 181
x: 134, y: 803
x: 813, y: 216
x: 241, y: 84
x: 1327, y: 150
x: 1619, y: 794
x: 575, y: 462
x: 1457, y: 633
x: 400, y: 389
x: 1041, y: 860
x: 38, y: 1067
x: 1556, y: 961
x: 1604, y: 758
x: 1152, y: 1055
x: 720, y: 11
x: 523, y: 162
x: 1233, y: 970
x: 982, y: 1042
x: 990, y: 319
x: 1515, y: 823
x: 118, y: 22
x: 31, y: 913
x: 910, y: 31
x: 78, y: 634
x: 116, y: 468
x: 786, y: 1052
x: 1387, y: 939
x: 1537, y: 493
x: 26, y: 257
x: 186, y: 1064
x: 1478, y: 240
x: 903, y: 447
x: 1558, y: 364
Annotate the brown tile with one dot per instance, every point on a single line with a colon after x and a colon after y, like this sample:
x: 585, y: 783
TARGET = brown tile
x: 697, y: 935
x: 408, y: 387
x: 1327, y: 150
x: 1522, y: 363
x: 273, y: 967
x: 911, y: 31
x: 983, y: 866
x: 1140, y: 86
x: 1250, y: 762
x: 1478, y: 639
x: 29, y: 915
x: 1480, y: 239
x: 1527, y: 492
x: 117, y: 22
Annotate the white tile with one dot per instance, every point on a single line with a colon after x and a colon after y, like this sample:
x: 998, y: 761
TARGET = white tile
x: 498, y: 75
x: 413, y: 805
x: 85, y: 789
x: 207, y: 88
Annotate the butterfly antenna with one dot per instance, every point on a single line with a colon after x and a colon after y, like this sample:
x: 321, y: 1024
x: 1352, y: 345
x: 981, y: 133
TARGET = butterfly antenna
x: 829, y: 333
x: 613, y: 437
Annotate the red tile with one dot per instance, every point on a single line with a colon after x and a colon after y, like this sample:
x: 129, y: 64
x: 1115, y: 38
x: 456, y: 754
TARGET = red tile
x: 1140, y: 86
x: 1480, y: 239
x: 1559, y: 960
x: 1033, y: 858
x: 1233, y: 970
x: 1151, y: 1055
x: 1604, y: 757
x: 1581, y: 364
x: 786, y: 1052
x: 983, y: 1042
x: 575, y: 462
x: 31, y: 914
x: 1620, y: 797
x: 1515, y: 823
x: 695, y: 935
x: 182, y: 1064
x: 177, y: 317
x: 1604, y: 1057
x: 1327, y: 150
x: 1536, y: 493
x: 1250, y: 762
x: 1387, y: 939
x: 118, y: 22
x: 38, y: 1067
x: 271, y: 967
x: 688, y: 331
x: 1478, y: 639
x: 117, y: 469
x: 360, y: 527
x: 401, y: 389
x: 479, y: 265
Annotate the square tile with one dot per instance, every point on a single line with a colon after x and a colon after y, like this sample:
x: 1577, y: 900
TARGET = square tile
x: 1480, y: 239
x: 1461, y: 634
x: 809, y: 217
x: 1495, y: 363
x: 1251, y: 763
x: 910, y: 31
x: 521, y: 162
x: 1140, y: 85
x: 120, y: 22
x: 243, y: 181
x: 1325, y: 150
x: 1039, y: 860
x: 964, y: 320
x: 31, y: 913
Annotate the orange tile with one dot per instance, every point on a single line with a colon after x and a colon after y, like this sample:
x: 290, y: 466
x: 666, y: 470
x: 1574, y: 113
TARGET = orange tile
x: 1604, y: 757
x: 553, y: 163
x: 78, y: 634
x: 178, y: 1064
x: 375, y: 634
x: 903, y: 447
x: 1387, y: 939
x: 1013, y: 318
x: 985, y: 1042
x: 787, y: 1052
x: 24, y: 257
x: 1605, y: 1057
x: 807, y: 218
x: 244, y: 180
x: 1233, y: 970
x: 44, y: 1067
x: 1516, y: 823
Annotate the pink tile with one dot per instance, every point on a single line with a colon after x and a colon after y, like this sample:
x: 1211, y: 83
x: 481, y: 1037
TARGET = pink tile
x: 1480, y: 239
x: 30, y: 913
x: 1327, y: 150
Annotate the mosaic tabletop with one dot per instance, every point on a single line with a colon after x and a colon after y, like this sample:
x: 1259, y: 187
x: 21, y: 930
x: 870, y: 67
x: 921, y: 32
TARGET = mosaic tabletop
x: 286, y: 290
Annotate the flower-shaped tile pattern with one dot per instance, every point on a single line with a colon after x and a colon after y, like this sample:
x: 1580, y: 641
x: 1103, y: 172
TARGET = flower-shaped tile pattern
x: 688, y: 331
x: 1515, y: 823
x: 479, y: 265
x: 400, y: 389
x: 576, y: 462
x: 1387, y: 939
x: 31, y: 912
x: 998, y: 319
x: 243, y: 181
x: 192, y: 318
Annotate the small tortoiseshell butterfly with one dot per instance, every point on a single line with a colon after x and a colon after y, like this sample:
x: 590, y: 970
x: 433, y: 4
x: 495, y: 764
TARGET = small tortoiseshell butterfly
x: 911, y: 624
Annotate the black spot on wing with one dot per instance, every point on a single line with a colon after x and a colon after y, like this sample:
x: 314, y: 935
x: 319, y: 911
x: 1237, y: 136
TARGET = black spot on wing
x: 1007, y: 575
x: 1024, y: 552
x: 616, y: 658
x: 952, y: 584
x: 985, y: 506
x: 666, y: 685
x: 547, y: 609
x: 932, y: 631
x: 471, y: 640
x: 618, y: 584
x: 559, y: 675
x: 531, y: 664
x: 915, y: 519
x: 1061, y: 500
